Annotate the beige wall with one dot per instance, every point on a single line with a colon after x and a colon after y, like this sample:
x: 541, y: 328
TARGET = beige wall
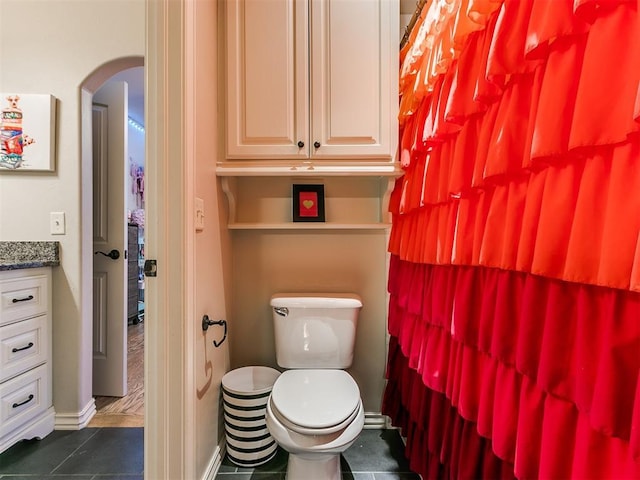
x: 268, y: 262
x: 52, y: 46
x: 211, y: 244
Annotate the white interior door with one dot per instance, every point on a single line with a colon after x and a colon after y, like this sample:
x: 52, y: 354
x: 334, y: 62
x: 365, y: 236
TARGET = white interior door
x: 110, y: 111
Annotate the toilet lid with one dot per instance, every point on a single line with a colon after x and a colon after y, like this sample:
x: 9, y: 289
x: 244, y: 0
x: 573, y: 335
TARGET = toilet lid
x: 315, y: 398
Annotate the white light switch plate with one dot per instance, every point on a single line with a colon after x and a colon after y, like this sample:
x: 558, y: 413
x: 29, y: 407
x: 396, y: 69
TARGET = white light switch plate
x: 199, y: 214
x: 57, y: 226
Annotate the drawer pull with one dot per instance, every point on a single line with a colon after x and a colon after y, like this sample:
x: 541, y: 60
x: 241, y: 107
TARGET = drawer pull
x: 14, y: 350
x: 25, y: 299
x: 16, y: 405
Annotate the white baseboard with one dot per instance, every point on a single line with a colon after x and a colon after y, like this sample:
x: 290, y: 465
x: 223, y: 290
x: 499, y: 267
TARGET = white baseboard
x: 376, y: 420
x: 214, y: 465
x: 76, y: 421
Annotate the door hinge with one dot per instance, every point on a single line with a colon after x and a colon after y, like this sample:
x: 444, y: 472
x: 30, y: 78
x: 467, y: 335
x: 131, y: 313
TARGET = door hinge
x: 150, y: 268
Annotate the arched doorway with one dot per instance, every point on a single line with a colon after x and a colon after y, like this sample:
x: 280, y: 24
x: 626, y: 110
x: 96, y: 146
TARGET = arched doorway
x: 89, y: 88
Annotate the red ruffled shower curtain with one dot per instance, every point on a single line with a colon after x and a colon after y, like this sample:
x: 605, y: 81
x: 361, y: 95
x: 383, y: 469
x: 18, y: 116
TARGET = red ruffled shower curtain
x: 514, y: 279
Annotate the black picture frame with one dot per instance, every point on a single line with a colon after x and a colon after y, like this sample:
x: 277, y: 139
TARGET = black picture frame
x: 308, y: 203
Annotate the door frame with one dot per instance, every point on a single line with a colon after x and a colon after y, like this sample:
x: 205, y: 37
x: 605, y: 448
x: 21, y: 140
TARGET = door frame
x: 169, y: 437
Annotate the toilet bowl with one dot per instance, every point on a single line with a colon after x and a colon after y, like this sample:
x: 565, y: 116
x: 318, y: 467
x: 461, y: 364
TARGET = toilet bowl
x: 315, y: 415
x: 315, y: 411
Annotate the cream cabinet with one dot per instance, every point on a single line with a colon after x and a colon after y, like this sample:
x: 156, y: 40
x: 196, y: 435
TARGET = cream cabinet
x: 311, y: 80
x: 26, y: 404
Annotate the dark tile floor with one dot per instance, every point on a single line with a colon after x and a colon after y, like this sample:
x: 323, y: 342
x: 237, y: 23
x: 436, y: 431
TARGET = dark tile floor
x: 88, y: 454
x: 375, y: 455
x: 117, y: 454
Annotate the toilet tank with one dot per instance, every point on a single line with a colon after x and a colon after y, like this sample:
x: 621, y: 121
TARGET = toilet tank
x: 315, y: 330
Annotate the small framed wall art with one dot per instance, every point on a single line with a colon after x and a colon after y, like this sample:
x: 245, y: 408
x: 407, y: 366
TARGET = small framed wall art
x: 27, y: 132
x: 308, y: 203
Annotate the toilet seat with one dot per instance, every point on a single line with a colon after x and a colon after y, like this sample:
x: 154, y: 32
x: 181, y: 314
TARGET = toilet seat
x: 317, y: 432
x: 314, y: 401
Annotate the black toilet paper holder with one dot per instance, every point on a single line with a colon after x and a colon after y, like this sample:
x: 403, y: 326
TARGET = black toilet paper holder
x: 206, y: 323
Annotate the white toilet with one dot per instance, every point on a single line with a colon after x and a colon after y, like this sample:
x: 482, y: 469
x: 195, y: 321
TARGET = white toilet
x: 315, y: 411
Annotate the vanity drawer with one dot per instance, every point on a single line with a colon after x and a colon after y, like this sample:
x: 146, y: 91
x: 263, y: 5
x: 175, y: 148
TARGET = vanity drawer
x: 23, y: 345
x: 23, y: 297
x: 23, y: 398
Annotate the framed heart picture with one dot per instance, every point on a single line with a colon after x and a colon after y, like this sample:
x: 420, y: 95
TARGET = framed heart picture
x: 308, y: 203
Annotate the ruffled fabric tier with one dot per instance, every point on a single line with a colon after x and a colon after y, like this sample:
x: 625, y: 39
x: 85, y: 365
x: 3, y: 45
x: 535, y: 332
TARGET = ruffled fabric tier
x: 584, y: 66
x: 577, y: 220
x: 440, y: 442
x: 437, y: 38
x: 496, y: 341
x: 532, y: 435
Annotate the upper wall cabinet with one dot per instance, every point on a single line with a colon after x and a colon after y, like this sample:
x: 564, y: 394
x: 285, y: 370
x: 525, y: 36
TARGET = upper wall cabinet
x: 311, y: 79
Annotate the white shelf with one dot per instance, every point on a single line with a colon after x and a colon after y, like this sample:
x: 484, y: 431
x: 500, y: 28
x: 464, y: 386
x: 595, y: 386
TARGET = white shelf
x: 259, y: 196
x: 309, y: 226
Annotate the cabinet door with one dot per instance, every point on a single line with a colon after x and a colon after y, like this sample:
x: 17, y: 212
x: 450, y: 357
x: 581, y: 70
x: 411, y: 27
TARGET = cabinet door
x: 267, y: 79
x: 354, y: 77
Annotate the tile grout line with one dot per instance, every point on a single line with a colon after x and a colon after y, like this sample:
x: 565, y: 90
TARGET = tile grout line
x: 53, y: 471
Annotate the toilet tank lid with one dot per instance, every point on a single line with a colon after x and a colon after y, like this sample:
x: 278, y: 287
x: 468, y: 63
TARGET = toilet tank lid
x: 316, y: 300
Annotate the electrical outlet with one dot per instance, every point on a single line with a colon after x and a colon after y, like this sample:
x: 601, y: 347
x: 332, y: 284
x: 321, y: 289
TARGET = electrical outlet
x: 57, y: 223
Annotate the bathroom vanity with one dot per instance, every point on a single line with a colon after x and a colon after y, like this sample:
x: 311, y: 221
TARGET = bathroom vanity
x: 26, y: 400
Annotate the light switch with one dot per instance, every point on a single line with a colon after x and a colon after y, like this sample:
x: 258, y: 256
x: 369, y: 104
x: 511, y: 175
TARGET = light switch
x: 199, y: 214
x: 57, y: 223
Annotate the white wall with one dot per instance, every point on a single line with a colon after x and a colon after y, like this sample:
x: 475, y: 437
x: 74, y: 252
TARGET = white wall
x: 52, y: 46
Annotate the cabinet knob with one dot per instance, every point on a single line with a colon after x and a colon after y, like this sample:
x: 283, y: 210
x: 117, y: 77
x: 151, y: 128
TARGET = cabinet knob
x: 300, y: 144
x: 316, y: 144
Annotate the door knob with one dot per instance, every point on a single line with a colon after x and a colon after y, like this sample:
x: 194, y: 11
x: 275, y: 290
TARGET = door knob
x: 300, y: 144
x: 316, y: 144
x: 113, y: 254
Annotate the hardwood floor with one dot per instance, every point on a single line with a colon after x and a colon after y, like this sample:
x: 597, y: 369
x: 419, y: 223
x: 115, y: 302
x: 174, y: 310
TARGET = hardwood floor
x: 126, y: 411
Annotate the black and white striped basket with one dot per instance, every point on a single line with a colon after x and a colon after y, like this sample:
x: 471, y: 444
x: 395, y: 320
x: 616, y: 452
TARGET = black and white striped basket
x: 245, y: 392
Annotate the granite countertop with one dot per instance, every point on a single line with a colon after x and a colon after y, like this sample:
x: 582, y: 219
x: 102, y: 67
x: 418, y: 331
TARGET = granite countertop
x: 17, y: 255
